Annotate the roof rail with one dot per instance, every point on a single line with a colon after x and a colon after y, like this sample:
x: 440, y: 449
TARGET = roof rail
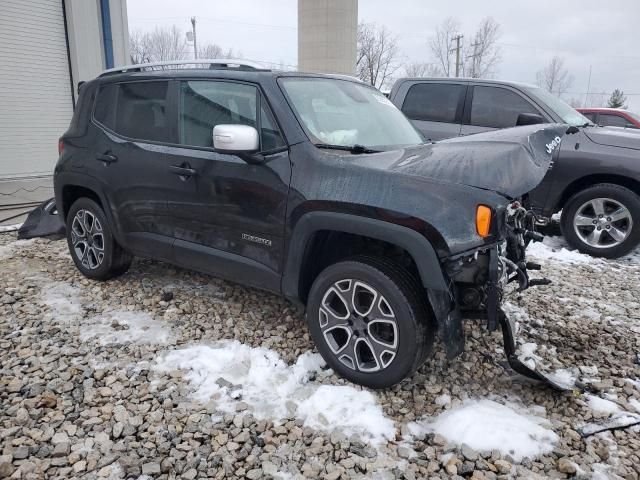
x: 177, y: 64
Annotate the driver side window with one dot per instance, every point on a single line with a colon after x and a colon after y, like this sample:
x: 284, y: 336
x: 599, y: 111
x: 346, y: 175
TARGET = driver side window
x: 205, y: 104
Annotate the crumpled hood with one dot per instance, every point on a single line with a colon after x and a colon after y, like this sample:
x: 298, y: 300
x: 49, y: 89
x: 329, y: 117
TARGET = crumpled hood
x: 614, y: 137
x: 511, y: 162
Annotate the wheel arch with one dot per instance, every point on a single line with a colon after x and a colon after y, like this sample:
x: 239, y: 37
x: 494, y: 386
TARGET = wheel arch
x: 316, y: 233
x: 71, y: 186
x: 595, y: 179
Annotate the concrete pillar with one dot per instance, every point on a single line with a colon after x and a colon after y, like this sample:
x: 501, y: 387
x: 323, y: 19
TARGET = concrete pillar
x: 327, y: 36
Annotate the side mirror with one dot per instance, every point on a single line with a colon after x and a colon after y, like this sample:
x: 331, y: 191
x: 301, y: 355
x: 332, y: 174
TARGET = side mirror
x: 236, y: 139
x: 529, y: 119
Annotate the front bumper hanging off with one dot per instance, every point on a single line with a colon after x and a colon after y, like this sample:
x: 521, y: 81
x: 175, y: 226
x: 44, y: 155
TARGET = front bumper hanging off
x: 496, y: 316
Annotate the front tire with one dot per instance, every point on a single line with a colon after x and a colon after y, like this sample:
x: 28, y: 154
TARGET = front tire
x: 602, y: 220
x: 93, y: 248
x: 370, y: 321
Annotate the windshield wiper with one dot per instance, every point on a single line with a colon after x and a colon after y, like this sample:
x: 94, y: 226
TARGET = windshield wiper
x: 356, y: 148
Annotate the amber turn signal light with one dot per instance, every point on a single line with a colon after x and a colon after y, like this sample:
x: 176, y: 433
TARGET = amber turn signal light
x: 483, y: 220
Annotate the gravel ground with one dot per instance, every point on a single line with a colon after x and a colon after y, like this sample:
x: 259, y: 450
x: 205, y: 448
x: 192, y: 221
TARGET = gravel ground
x: 102, y: 380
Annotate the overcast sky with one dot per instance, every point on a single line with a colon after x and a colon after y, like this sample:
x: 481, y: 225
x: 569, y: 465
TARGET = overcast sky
x: 601, y: 34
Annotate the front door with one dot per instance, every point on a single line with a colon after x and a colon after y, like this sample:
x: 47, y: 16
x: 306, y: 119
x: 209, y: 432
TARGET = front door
x: 237, y: 221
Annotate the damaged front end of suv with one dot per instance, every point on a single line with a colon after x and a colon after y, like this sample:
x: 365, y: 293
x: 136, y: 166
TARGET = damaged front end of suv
x: 481, y: 277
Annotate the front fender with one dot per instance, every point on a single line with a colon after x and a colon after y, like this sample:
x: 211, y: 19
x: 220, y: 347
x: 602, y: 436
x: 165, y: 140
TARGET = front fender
x: 413, y: 242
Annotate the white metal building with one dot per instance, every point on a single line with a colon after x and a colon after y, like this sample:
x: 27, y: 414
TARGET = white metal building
x: 46, y: 48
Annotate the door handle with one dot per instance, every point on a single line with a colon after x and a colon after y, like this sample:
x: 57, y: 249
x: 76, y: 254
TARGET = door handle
x: 182, y: 171
x: 106, y: 157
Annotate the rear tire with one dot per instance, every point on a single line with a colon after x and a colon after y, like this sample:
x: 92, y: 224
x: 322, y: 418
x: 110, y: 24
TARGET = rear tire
x: 93, y: 248
x: 602, y: 220
x: 370, y: 321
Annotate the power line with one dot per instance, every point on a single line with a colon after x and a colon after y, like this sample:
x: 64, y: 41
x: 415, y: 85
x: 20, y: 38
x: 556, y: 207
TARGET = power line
x: 214, y: 20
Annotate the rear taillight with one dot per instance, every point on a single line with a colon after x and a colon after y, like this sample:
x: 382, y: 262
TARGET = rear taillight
x: 60, y: 147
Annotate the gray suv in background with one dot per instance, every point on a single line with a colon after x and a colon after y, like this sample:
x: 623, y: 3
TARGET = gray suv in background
x: 596, y: 179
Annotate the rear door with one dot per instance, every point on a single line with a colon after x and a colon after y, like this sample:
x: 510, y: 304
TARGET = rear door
x: 435, y: 108
x: 137, y: 124
x: 490, y: 107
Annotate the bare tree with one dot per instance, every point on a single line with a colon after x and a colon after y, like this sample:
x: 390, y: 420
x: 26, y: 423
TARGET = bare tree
x: 575, y: 102
x: 484, y: 54
x: 441, y: 43
x: 420, y: 69
x: 378, y: 54
x: 139, y: 47
x: 555, y: 78
x: 210, y: 50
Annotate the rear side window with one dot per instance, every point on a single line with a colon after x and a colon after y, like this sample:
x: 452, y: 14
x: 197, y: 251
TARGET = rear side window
x: 433, y: 102
x: 137, y: 110
x: 612, y: 120
x: 497, y: 107
x: 142, y: 111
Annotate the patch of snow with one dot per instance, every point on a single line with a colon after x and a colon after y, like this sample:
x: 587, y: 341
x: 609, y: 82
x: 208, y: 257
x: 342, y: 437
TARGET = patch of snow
x: 634, y: 382
x: 9, y: 250
x: 602, y: 471
x: 229, y: 370
x: 563, y: 377
x: 601, y: 405
x: 116, y: 327
x: 353, y: 411
x: 528, y: 354
x: 63, y: 300
x: 549, y: 250
x: 635, y: 403
x: 488, y: 425
x: 443, y: 400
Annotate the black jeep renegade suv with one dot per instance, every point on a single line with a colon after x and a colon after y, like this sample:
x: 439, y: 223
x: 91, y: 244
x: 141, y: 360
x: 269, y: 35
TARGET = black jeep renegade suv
x: 315, y: 187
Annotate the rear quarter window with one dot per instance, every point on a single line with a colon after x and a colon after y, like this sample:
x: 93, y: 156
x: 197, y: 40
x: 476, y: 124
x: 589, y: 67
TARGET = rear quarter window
x: 435, y: 102
x: 138, y: 110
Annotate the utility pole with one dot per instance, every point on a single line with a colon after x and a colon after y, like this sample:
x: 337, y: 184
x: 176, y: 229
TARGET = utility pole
x: 474, y: 72
x: 586, y: 95
x: 195, y: 44
x: 458, y: 49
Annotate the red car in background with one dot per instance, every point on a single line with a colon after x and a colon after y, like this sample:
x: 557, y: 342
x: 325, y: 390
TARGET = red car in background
x: 611, y: 117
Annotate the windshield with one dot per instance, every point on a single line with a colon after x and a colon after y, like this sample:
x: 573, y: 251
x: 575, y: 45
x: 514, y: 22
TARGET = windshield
x: 568, y: 114
x: 345, y: 113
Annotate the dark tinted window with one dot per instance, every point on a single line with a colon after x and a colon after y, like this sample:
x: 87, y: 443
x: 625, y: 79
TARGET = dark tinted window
x: 141, y: 111
x: 433, y: 102
x: 205, y: 104
x: 270, y: 136
x: 612, y: 120
x: 590, y: 115
x: 105, y: 110
x: 498, y: 107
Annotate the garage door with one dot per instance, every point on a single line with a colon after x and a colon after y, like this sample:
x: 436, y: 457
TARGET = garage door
x: 35, y: 92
